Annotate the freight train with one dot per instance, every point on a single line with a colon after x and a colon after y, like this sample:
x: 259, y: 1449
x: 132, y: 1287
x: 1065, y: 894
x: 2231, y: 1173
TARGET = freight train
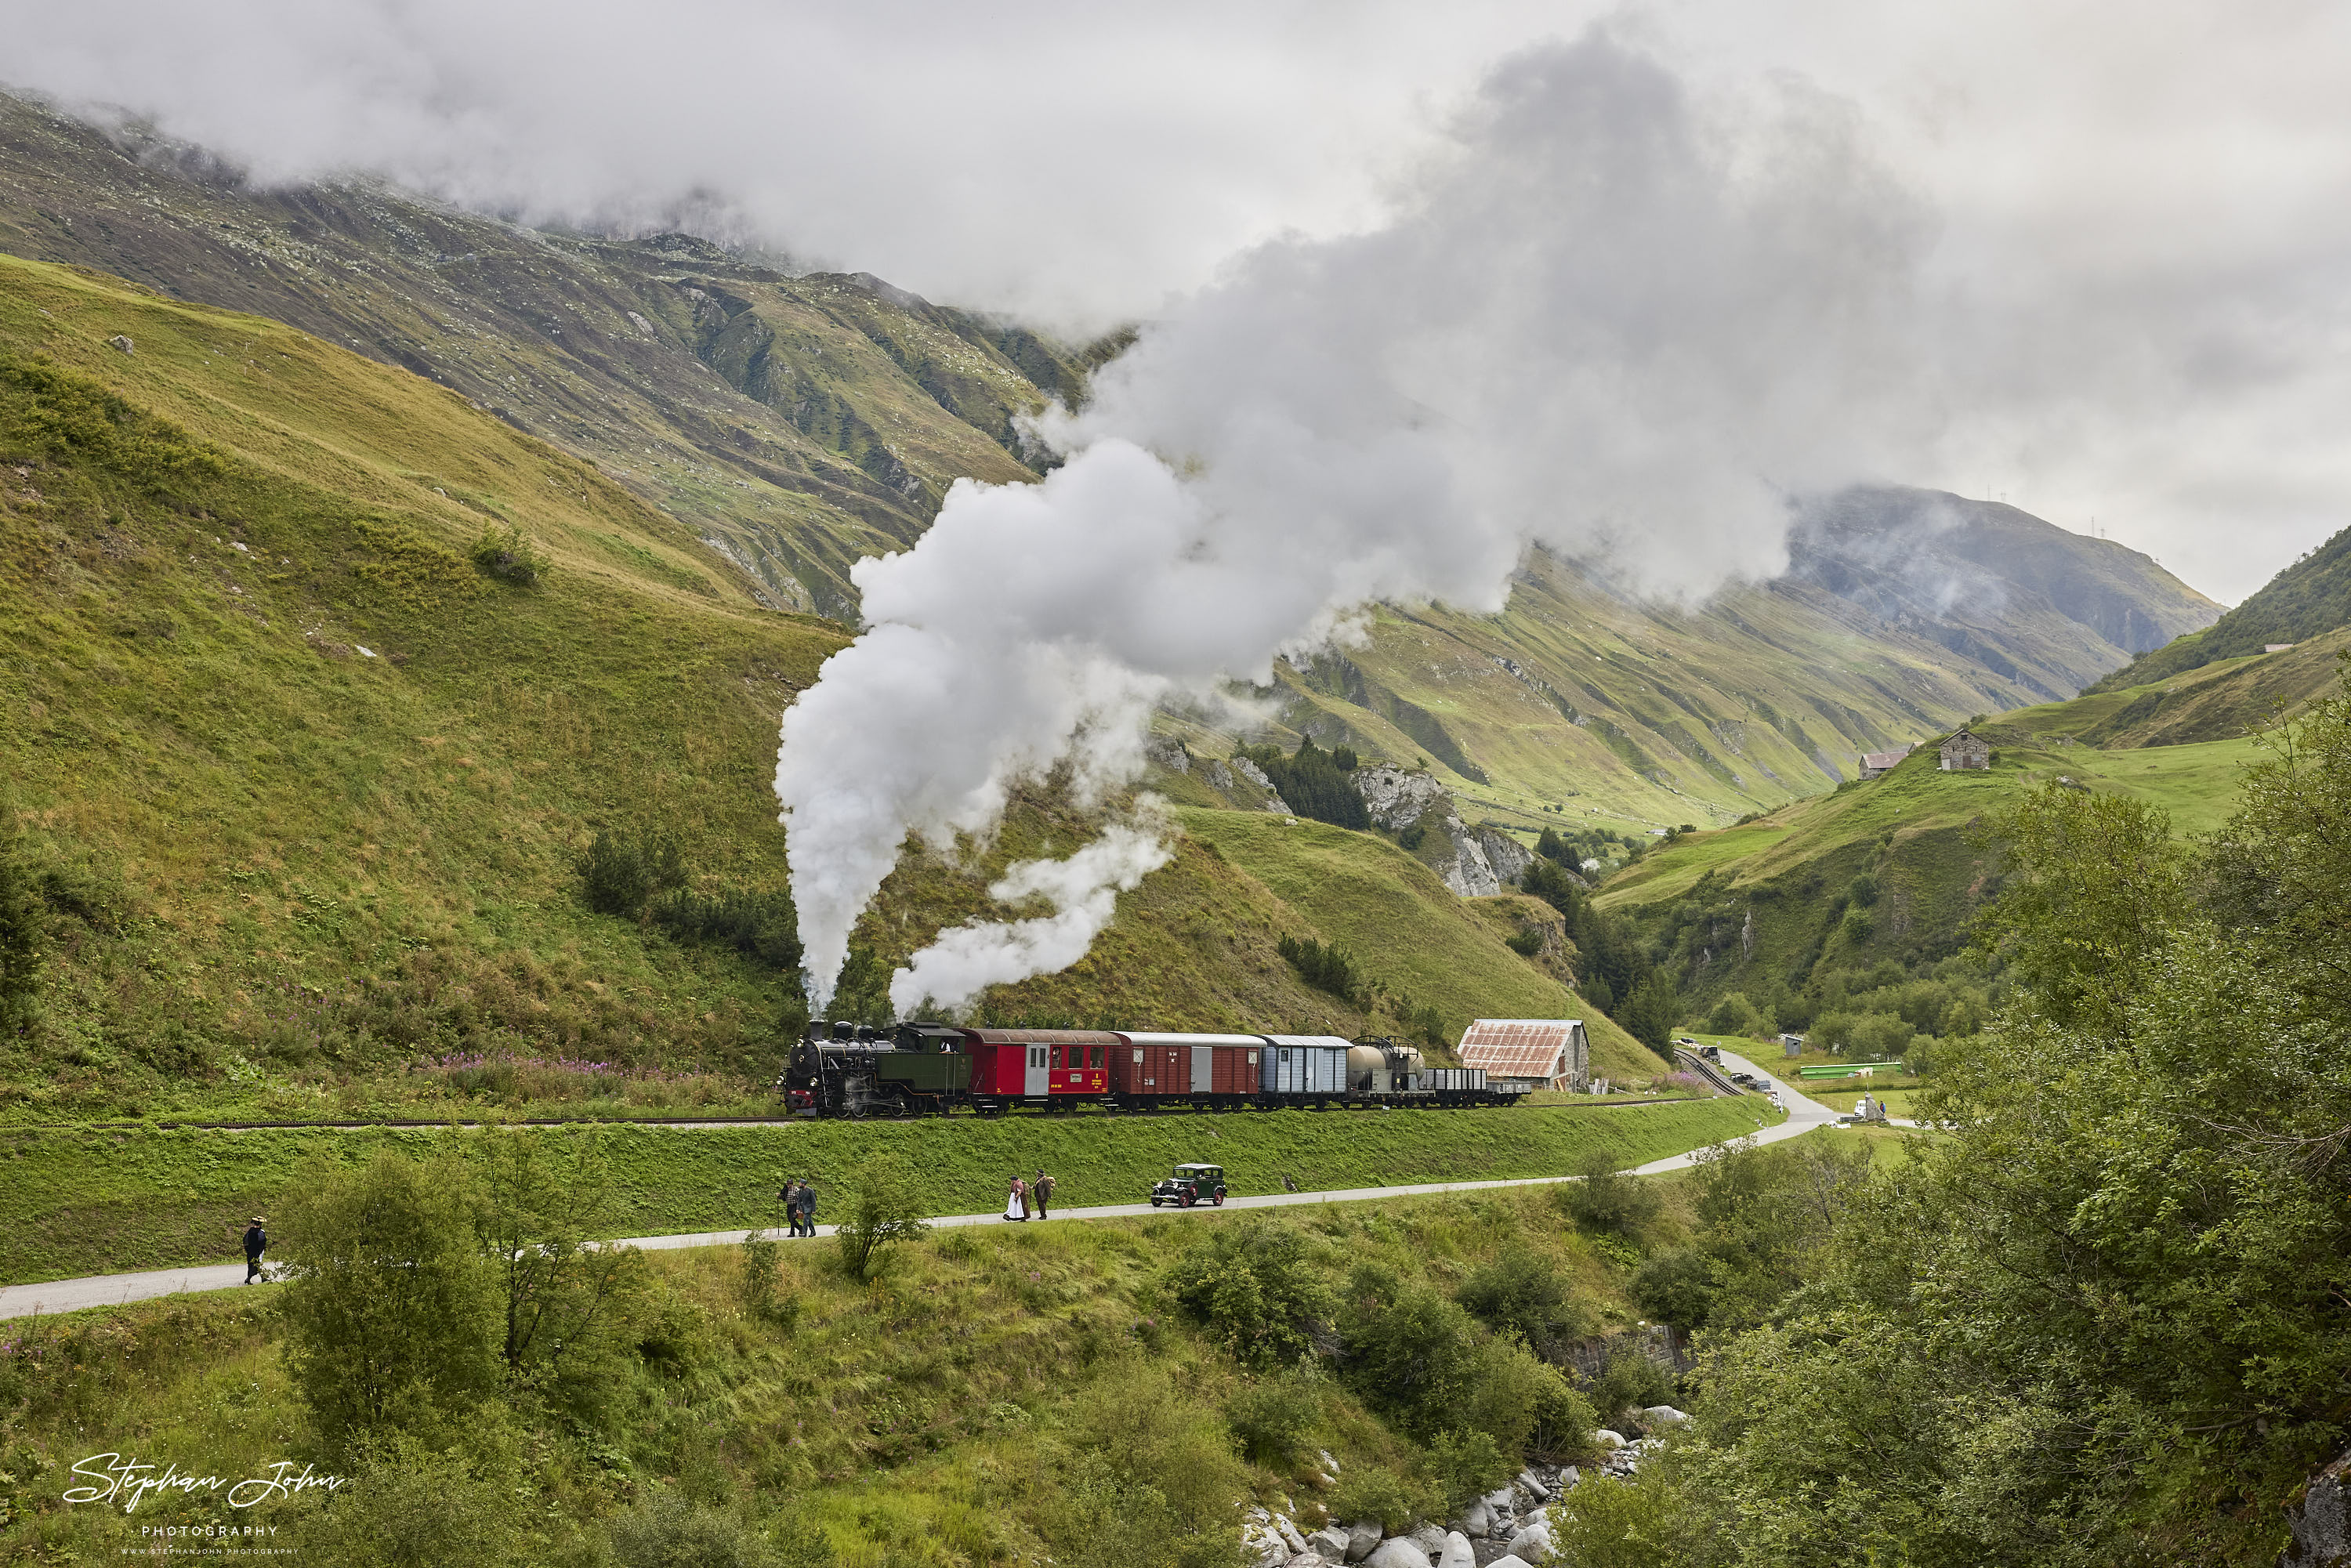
x: 928, y: 1068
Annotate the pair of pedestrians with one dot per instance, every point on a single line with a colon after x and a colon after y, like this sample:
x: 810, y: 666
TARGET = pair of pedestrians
x: 1022, y: 1195
x: 799, y: 1200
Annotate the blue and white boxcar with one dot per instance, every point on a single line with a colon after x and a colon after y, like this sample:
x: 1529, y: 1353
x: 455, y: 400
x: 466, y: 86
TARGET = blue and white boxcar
x: 1305, y: 1064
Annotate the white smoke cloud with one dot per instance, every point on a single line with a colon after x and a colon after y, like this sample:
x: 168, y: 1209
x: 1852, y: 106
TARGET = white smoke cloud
x: 1082, y: 889
x: 1611, y: 320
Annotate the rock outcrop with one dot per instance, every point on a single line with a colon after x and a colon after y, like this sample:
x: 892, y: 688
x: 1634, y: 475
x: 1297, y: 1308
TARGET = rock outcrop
x: 2321, y: 1520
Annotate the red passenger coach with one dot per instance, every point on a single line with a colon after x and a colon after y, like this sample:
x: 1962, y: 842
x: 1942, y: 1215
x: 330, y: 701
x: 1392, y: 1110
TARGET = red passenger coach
x: 1151, y: 1070
x: 1055, y: 1067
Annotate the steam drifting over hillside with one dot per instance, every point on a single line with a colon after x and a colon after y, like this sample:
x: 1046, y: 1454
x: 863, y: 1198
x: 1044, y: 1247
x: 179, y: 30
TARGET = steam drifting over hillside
x: 1613, y: 320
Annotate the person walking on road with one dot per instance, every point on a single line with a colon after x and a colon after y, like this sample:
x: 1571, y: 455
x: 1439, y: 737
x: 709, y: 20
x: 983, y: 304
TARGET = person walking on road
x: 256, y: 1240
x: 790, y: 1196
x: 1042, y: 1190
x: 807, y: 1207
x: 1015, y: 1200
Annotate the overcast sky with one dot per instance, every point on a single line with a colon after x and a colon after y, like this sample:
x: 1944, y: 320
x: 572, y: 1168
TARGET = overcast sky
x: 2135, y: 221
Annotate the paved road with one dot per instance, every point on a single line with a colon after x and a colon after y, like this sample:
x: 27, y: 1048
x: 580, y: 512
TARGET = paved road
x: 113, y: 1289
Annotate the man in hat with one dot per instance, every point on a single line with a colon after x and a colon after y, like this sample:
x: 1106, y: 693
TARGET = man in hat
x: 1041, y: 1189
x: 256, y: 1240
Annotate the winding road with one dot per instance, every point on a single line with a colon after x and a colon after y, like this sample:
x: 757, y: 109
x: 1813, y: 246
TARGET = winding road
x: 114, y: 1290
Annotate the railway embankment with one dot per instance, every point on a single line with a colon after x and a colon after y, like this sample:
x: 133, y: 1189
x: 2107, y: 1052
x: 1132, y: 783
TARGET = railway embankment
x: 79, y: 1202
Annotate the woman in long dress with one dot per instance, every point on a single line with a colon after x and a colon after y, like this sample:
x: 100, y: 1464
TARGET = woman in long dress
x: 1016, y: 1202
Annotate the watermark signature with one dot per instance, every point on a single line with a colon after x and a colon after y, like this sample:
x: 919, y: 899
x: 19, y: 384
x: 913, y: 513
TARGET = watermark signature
x: 119, y: 1478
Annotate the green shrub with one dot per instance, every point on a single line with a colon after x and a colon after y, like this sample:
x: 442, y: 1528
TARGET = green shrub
x: 1521, y: 1292
x: 1607, y: 1201
x: 619, y: 873
x: 391, y: 1317
x: 1326, y: 968
x: 1465, y: 1464
x: 887, y: 1210
x: 1368, y: 1491
x: 761, y: 1287
x: 507, y: 555
x: 1525, y: 944
x: 1678, y: 1287
x: 1410, y: 1351
x: 1271, y: 1417
x: 1252, y: 1287
x: 675, y: 1532
x: 408, y: 1506
x: 1734, y: 1014
x: 1628, y: 1381
x: 1525, y: 1405
x: 760, y: 925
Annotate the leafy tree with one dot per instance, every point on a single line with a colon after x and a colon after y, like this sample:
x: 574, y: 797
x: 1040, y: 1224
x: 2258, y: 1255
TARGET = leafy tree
x: 886, y: 1209
x: 1256, y: 1289
x: 1606, y: 1201
x: 1410, y: 1351
x: 391, y: 1314
x: 539, y: 1203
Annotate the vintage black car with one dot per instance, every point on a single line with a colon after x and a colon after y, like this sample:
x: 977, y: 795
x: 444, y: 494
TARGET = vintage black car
x: 1191, y: 1184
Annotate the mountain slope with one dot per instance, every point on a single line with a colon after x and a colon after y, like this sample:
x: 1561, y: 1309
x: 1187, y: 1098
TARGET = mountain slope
x: 2219, y: 700
x: 2309, y: 598
x: 304, y: 788
x: 795, y: 422
x: 2044, y: 608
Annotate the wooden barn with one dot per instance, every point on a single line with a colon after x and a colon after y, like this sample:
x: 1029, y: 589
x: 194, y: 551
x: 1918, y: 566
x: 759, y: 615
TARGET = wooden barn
x: 1543, y: 1053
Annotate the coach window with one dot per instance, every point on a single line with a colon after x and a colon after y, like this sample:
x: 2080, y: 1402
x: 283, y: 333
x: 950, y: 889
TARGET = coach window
x: 1094, y: 1056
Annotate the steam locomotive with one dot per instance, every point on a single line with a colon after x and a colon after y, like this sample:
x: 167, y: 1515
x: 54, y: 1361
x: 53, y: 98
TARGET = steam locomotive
x: 933, y: 1069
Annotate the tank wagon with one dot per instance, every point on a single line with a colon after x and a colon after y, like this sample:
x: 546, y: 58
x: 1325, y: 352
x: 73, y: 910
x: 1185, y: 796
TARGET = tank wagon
x: 846, y: 1070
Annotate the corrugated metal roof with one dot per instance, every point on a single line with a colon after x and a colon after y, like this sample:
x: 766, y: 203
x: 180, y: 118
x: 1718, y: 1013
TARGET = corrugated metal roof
x: 1519, y: 1048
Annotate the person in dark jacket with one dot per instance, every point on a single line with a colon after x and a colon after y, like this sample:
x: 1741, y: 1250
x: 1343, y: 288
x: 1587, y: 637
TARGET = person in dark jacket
x: 808, y: 1208
x: 255, y: 1241
x: 1041, y: 1190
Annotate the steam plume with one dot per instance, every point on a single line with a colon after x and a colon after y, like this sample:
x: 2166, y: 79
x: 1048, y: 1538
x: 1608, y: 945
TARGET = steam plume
x: 1613, y: 321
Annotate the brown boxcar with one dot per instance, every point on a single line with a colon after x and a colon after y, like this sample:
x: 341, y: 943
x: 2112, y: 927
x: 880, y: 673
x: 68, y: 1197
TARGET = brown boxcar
x: 1194, y: 1069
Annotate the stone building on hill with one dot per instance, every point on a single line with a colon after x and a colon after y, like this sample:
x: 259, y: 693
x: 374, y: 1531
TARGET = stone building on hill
x: 1541, y: 1053
x: 1964, y: 751
x: 1873, y: 763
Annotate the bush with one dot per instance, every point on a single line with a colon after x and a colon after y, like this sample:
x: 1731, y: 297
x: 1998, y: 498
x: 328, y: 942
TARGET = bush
x: 24, y: 928
x: 619, y: 873
x: 409, y: 1507
x: 674, y: 1532
x: 887, y: 1210
x: 1368, y: 1492
x: 1525, y: 944
x: 1271, y: 1418
x: 1629, y: 1381
x: 1521, y: 1292
x: 1607, y: 1201
x: 1734, y: 1014
x: 1326, y: 968
x: 1525, y: 1405
x: 507, y: 555
x: 391, y: 1315
x: 1253, y: 1287
x: 760, y: 925
x: 1465, y: 1465
x: 1678, y: 1287
x: 761, y: 1288
x: 1410, y: 1351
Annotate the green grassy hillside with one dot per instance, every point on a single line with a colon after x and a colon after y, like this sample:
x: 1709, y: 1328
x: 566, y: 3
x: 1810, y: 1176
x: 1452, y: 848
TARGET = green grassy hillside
x: 2219, y: 700
x: 306, y: 785
x: 2308, y: 600
x: 1874, y: 884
